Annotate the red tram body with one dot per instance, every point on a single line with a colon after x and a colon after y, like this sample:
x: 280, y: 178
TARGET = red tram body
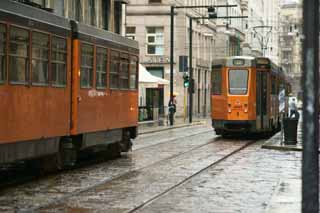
x: 245, y: 95
x: 64, y: 86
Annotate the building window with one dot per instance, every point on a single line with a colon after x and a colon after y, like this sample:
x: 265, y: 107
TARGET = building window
x: 86, y: 69
x: 3, y: 36
x: 40, y: 58
x: 155, y: 1
x: 156, y: 71
x: 105, y: 14
x: 76, y: 11
x: 59, y: 61
x: 117, y: 17
x: 131, y: 32
x: 124, y: 72
x: 155, y: 41
x: 58, y: 6
x: 101, y: 67
x: 133, y: 72
x: 18, y: 55
x: 114, y: 70
x: 92, y: 13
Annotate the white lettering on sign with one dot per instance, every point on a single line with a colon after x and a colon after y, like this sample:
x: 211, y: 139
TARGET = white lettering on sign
x: 95, y: 93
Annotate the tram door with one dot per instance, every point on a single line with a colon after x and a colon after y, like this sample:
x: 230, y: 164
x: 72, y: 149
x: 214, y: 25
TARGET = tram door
x: 262, y: 101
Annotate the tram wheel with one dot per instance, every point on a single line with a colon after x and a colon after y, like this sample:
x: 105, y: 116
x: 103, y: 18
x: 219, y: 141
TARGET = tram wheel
x: 126, y: 143
x: 67, y: 155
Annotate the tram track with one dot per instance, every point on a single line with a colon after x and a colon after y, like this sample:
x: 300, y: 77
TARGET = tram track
x: 56, y: 202
x: 189, y: 148
x: 147, y: 202
x: 223, y: 153
x: 32, y: 173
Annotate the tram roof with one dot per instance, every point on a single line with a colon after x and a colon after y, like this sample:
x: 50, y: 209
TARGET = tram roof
x: 96, y: 33
x: 19, y: 11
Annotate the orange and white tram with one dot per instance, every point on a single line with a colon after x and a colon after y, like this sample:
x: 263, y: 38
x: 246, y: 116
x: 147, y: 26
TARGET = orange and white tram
x: 248, y: 95
x: 64, y: 86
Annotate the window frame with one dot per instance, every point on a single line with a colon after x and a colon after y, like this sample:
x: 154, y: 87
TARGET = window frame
x: 106, y: 68
x: 27, y: 58
x: 87, y: 67
x: 39, y: 59
x: 136, y: 71
x: 53, y: 62
x: 5, y: 55
x: 110, y: 70
x: 247, y: 81
x: 154, y: 43
x: 124, y: 61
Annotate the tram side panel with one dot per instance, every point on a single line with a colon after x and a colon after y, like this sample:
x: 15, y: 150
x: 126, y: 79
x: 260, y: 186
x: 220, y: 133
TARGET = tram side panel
x: 35, y: 88
x: 103, y: 115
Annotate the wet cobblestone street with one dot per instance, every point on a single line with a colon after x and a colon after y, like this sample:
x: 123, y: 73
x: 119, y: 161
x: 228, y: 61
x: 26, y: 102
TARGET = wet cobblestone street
x: 188, y: 169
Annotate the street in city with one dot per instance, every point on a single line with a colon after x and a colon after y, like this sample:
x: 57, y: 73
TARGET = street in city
x: 186, y: 169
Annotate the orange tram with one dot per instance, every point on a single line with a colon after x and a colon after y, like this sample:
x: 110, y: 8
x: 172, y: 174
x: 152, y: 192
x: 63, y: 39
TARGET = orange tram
x: 249, y: 95
x: 64, y: 87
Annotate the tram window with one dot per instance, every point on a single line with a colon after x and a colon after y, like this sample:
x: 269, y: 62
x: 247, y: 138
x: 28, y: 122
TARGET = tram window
x: 133, y: 72
x: 58, y: 62
x: 124, y: 72
x: 101, y: 67
x: 86, y: 69
x: 238, y: 82
x: 3, y: 35
x: 114, y: 70
x: 216, y: 82
x: 40, y: 58
x: 19, y: 55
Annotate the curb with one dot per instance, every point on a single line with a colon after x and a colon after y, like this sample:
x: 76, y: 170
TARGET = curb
x: 172, y: 127
x: 275, y: 144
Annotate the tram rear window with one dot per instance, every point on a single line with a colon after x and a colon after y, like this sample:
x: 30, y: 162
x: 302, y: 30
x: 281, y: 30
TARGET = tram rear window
x: 238, y: 82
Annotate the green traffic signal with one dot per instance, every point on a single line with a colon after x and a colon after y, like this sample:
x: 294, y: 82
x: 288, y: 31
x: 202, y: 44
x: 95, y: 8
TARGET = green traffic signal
x: 186, y: 81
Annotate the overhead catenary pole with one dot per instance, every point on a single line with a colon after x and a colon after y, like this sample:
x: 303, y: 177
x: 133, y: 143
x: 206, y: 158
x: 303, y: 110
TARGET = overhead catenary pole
x: 171, y: 113
x: 191, y: 86
x: 310, y: 88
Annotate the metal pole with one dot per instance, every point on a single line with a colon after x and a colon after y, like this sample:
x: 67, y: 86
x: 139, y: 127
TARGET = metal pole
x: 310, y: 158
x: 191, y: 85
x: 171, y: 64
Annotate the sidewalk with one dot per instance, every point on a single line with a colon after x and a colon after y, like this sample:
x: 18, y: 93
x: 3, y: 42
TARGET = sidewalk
x: 287, y: 195
x: 147, y: 127
x: 277, y: 141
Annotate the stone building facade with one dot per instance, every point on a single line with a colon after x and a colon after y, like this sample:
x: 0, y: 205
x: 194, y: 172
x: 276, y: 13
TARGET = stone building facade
x: 291, y: 45
x: 104, y: 14
x: 148, y: 22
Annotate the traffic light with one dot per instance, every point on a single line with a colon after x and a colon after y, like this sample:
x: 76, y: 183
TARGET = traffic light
x: 186, y: 81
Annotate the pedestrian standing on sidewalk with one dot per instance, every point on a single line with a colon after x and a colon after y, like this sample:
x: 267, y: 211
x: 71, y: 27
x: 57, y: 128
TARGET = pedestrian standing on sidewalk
x: 172, y: 106
x: 293, y: 110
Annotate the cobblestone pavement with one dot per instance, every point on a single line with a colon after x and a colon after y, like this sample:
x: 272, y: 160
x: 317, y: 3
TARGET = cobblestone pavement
x: 181, y: 170
x: 244, y: 182
x: 146, y: 152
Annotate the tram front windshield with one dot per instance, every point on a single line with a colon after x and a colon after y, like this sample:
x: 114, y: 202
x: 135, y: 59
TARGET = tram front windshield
x: 238, y: 82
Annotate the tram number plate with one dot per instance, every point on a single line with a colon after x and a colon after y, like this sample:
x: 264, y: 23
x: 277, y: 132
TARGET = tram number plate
x: 237, y: 107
